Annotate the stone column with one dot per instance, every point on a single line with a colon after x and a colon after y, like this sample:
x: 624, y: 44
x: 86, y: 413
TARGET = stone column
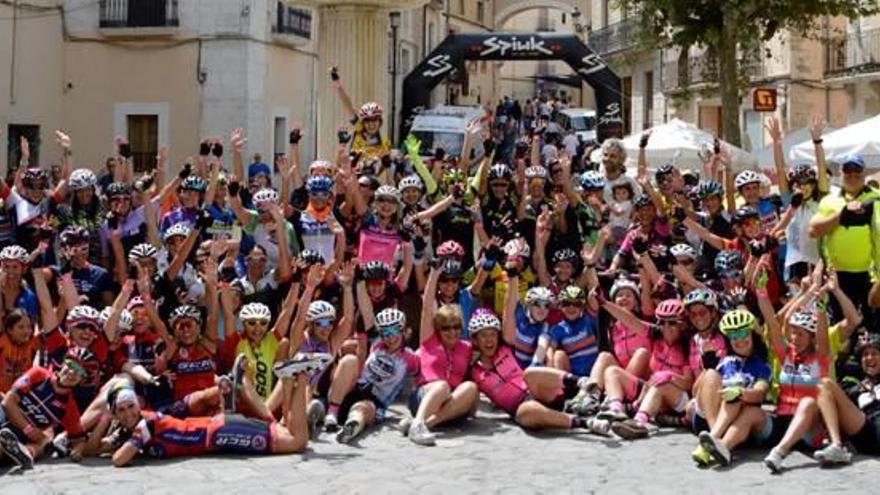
x: 353, y: 35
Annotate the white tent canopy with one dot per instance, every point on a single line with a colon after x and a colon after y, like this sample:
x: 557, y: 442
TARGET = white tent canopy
x: 764, y: 156
x: 679, y: 141
x: 862, y: 138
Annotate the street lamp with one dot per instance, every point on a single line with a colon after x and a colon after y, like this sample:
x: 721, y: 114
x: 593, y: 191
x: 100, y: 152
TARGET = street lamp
x: 394, y: 17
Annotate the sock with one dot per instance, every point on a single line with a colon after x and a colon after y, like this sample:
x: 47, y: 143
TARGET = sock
x: 615, y: 405
x: 577, y: 422
x: 642, y: 417
x: 570, y: 386
x: 333, y: 409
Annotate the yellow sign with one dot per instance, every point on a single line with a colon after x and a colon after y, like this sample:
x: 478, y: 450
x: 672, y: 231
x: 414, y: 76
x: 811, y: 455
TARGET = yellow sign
x: 764, y: 100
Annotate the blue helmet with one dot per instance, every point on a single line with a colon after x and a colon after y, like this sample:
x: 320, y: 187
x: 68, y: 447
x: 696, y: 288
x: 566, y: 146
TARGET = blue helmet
x: 592, y: 180
x: 194, y: 183
x: 319, y: 184
x: 728, y: 260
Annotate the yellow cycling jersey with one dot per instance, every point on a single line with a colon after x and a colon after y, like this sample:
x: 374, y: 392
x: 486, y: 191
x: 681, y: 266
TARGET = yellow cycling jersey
x: 262, y: 360
x: 369, y: 147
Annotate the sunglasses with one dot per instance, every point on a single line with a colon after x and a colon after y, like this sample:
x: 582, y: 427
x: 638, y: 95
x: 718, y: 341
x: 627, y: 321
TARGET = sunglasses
x: 666, y: 322
x: 731, y: 274
x: 88, y: 327
x: 684, y: 261
x: 447, y: 328
x: 569, y: 304
x: 738, y: 334
x: 499, y: 184
x: 256, y: 323
x: 449, y: 280
x: 323, y: 323
x: 322, y: 194
x: 541, y: 304
x: 70, y: 363
x: 389, y: 332
x: 386, y: 200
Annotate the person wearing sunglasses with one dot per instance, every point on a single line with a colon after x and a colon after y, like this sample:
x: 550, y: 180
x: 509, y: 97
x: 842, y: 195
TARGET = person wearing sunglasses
x: 708, y: 346
x: 385, y: 372
x: 367, y: 121
x: 669, y: 384
x: 802, y: 251
x: 574, y: 344
x: 744, y: 382
x: 42, y: 400
x: 530, y: 325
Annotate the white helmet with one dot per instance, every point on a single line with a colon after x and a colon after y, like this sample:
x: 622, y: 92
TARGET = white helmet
x: 82, y: 178
x: 319, y: 165
x: 82, y: 314
x: 391, y: 317
x: 254, y: 311
x: 14, y: 253
x: 179, y: 228
x: 265, y: 197
x: 683, y: 251
x: 142, y: 250
x: 517, y: 247
x: 410, y: 181
x: 124, y: 322
x: 186, y: 311
x: 319, y: 310
x: 746, y: 177
x: 483, y: 320
x: 807, y: 321
x: 536, y: 172
x: 537, y: 295
x: 388, y: 192
x: 623, y: 283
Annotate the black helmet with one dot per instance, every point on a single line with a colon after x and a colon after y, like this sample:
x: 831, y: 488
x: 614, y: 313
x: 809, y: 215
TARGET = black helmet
x: 311, y: 257
x: 375, y: 270
x: 565, y: 254
x: 451, y: 269
x: 116, y: 189
x: 641, y: 201
x: 745, y: 213
x: 72, y: 236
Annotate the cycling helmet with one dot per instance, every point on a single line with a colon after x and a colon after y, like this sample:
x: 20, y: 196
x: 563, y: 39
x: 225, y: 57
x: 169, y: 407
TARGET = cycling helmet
x: 517, y: 247
x: 500, y: 171
x: 244, y: 286
x: 142, y: 250
x: 265, y: 197
x: 319, y: 184
x: 82, y: 314
x: 642, y: 201
x: 483, y: 319
x: 802, y: 171
x: 134, y: 302
x: 708, y: 188
x: 317, y: 165
x: 311, y: 257
x: 410, y: 182
x: 453, y: 176
x: 537, y: 295
x: 728, y: 260
x: 565, y: 254
x: 124, y: 321
x: 450, y: 249
x: 592, y: 180
x: 745, y: 213
x: 14, y: 253
x: 738, y: 319
x: 116, y: 189
x: 873, y: 342
x: 536, y: 172
x: 82, y: 178
x: 702, y: 296
x: 193, y: 183
x: 254, y: 311
x: 370, y: 110
x: 670, y: 309
x: 746, y: 177
x: 388, y: 192
x: 180, y: 228
x: 451, y: 268
x: 320, y: 310
x: 35, y: 177
x: 375, y: 270
x: 663, y: 171
x: 804, y: 320
x: 390, y: 317
x: 624, y: 283
x: 72, y: 236
x: 683, y: 251
x: 572, y: 293
x: 185, y: 311
x: 84, y: 361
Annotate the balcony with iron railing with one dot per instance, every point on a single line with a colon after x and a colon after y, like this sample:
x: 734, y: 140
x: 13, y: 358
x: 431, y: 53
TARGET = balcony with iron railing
x: 138, y: 14
x: 702, y: 70
x: 612, y: 39
x: 293, y: 21
x: 856, y: 53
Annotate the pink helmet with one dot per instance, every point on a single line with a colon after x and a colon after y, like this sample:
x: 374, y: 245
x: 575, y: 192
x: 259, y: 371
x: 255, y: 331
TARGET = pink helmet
x: 370, y: 110
x: 450, y: 249
x: 670, y: 309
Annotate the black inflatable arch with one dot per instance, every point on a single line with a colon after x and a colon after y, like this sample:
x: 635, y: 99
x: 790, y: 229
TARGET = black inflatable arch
x: 587, y: 64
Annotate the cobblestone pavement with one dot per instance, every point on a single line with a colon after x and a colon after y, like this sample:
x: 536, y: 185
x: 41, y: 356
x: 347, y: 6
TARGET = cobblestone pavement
x: 488, y: 455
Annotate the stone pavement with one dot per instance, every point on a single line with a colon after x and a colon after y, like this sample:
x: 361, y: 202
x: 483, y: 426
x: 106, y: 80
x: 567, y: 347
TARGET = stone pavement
x: 488, y: 455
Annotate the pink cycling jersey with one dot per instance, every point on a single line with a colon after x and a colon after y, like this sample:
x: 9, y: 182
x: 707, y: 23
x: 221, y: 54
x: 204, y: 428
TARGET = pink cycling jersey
x: 627, y: 342
x: 666, y: 357
x: 439, y: 365
x: 503, y: 382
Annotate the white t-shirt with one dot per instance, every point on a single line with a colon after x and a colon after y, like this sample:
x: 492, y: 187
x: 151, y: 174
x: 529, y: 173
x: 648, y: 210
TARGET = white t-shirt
x: 800, y: 247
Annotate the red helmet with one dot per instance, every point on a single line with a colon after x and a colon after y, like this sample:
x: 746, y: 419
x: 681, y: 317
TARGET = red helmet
x: 670, y: 309
x: 450, y: 249
x: 370, y: 110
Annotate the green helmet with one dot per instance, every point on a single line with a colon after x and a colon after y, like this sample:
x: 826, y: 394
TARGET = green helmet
x: 572, y: 293
x: 738, y: 319
x: 453, y: 176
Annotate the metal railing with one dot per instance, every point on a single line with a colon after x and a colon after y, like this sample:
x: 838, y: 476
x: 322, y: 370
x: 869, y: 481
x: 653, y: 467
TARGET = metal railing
x: 853, y: 54
x: 293, y: 21
x: 613, y: 38
x: 704, y: 70
x: 138, y: 13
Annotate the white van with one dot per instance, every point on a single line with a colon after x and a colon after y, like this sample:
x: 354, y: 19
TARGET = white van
x: 444, y: 127
x: 580, y: 121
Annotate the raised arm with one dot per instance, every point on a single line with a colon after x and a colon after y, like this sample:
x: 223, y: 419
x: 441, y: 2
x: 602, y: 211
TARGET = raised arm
x: 539, y: 257
x: 49, y: 320
x: 429, y: 300
x: 214, y: 166
x: 298, y: 328
x: 237, y: 141
x: 413, y: 147
x: 341, y: 93
x: 508, y: 325
x: 774, y: 330
x: 346, y: 324
x: 775, y: 131
x: 283, y: 270
x: 402, y: 278
x: 729, y: 189
x: 112, y: 325
x: 705, y: 234
x: 241, y: 213
x: 293, y: 155
x: 625, y: 316
x: 63, y: 141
